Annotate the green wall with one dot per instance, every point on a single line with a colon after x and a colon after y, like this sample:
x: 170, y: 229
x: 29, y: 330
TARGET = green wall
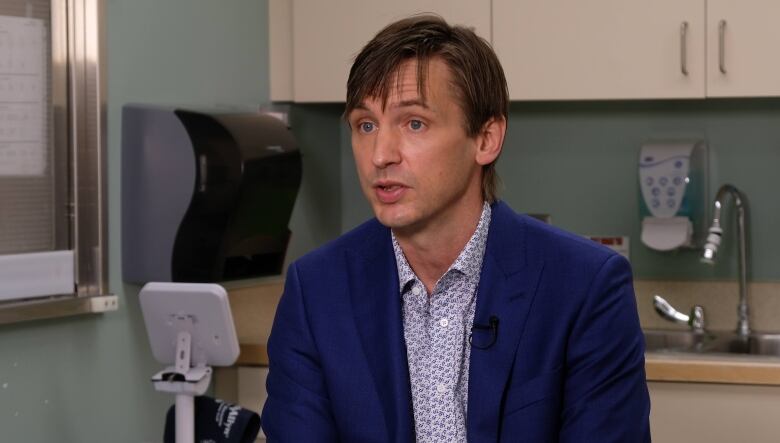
x: 577, y: 162
x: 317, y: 214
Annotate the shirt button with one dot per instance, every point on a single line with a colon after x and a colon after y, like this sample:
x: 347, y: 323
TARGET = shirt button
x: 416, y: 290
x: 444, y: 322
x: 441, y: 388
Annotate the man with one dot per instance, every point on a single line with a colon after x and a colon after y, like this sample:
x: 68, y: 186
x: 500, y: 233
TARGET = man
x: 449, y: 317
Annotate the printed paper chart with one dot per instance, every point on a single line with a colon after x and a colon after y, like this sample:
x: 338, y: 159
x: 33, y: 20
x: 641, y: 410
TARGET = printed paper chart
x: 23, y: 49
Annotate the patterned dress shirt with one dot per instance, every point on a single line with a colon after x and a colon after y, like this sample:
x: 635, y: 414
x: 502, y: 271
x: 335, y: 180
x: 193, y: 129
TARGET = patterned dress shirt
x: 437, y: 330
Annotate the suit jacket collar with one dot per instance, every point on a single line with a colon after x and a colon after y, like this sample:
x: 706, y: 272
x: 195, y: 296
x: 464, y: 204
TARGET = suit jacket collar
x: 506, y: 290
x: 376, y: 304
x: 510, y: 274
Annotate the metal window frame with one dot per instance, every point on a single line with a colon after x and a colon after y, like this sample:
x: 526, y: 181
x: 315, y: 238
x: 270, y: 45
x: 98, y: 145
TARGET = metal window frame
x: 79, y: 117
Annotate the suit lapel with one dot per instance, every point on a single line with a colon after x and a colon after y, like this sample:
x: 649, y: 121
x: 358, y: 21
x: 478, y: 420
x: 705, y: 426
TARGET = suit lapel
x: 377, y: 311
x: 507, y: 288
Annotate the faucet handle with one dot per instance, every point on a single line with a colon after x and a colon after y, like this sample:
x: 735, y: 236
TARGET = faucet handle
x: 667, y: 311
x: 697, y: 319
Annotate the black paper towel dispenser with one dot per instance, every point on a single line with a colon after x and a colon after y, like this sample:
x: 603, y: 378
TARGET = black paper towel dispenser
x: 206, y: 196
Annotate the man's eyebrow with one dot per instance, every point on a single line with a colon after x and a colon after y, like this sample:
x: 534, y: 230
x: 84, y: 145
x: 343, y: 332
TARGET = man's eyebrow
x: 402, y: 104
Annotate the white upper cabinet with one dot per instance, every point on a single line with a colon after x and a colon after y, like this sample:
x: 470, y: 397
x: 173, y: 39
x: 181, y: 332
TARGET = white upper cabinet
x: 280, y: 50
x: 550, y: 49
x: 743, y: 37
x: 326, y: 36
x: 601, y: 49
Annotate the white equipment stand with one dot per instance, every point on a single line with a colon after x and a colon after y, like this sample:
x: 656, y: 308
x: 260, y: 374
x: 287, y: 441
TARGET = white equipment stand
x: 190, y: 326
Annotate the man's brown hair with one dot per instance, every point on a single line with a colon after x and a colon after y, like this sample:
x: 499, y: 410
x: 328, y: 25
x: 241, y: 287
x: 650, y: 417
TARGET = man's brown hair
x: 478, y: 78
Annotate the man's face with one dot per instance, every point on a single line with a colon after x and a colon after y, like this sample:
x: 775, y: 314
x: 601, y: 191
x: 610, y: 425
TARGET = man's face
x: 415, y: 161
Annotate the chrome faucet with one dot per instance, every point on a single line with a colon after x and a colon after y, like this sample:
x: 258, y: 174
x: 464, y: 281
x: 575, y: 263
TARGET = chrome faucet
x: 713, y: 242
x: 695, y: 320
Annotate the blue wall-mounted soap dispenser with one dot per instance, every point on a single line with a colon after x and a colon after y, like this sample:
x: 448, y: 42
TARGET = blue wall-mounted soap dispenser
x: 673, y: 178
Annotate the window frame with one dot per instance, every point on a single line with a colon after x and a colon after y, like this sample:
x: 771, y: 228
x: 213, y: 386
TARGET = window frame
x: 79, y: 121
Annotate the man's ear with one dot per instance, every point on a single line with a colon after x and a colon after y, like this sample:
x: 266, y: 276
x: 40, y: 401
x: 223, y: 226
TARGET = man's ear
x: 490, y: 140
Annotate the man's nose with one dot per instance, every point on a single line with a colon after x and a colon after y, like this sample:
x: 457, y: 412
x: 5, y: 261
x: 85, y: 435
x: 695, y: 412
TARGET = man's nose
x: 386, y: 148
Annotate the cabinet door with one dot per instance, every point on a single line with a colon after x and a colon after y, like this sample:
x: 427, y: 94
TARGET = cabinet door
x: 743, y: 37
x: 601, y: 49
x: 714, y: 413
x: 327, y: 35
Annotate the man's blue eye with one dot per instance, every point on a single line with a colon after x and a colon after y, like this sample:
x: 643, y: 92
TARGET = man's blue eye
x: 366, y: 126
x: 416, y: 125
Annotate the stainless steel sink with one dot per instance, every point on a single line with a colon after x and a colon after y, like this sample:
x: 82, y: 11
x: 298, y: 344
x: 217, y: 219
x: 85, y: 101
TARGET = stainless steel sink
x: 711, y: 342
x: 756, y: 344
x: 662, y: 340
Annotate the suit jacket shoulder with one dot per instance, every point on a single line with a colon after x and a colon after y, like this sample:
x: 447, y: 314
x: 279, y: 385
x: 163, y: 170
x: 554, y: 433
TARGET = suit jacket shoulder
x: 533, y: 241
x: 579, y: 346
x: 368, y: 239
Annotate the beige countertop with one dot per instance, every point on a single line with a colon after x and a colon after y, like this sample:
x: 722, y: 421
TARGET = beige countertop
x: 720, y: 368
x: 668, y: 367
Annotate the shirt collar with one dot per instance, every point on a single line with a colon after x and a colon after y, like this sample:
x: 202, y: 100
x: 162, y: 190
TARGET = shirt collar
x: 472, y: 253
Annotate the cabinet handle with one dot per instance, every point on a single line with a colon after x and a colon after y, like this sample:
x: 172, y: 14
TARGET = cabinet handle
x: 684, y: 48
x: 722, y: 46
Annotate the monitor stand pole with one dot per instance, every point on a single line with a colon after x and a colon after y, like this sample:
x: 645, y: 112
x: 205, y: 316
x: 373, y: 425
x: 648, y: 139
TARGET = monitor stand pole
x: 185, y: 382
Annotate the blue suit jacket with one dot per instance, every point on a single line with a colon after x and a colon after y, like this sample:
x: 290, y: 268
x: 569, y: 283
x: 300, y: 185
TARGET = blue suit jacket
x: 567, y: 364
